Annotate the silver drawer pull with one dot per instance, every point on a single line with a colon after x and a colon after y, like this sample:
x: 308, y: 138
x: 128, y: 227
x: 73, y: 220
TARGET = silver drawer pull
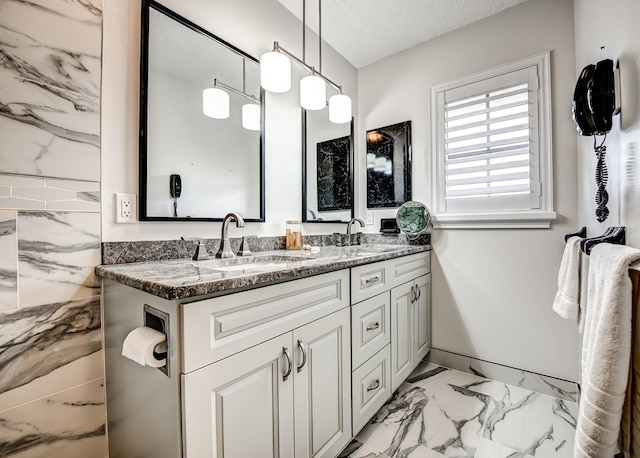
x: 370, y: 280
x: 304, y: 355
x: 375, y: 385
x: 373, y: 326
x: 285, y: 352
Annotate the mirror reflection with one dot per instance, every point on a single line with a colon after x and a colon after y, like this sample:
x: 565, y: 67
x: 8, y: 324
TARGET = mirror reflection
x: 327, y: 181
x: 389, y: 165
x: 201, y: 144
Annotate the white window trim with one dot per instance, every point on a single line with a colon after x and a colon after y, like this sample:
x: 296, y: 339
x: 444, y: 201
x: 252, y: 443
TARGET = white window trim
x: 534, y: 218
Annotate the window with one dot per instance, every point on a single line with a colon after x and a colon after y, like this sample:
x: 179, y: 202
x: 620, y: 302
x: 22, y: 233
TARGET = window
x: 492, y: 142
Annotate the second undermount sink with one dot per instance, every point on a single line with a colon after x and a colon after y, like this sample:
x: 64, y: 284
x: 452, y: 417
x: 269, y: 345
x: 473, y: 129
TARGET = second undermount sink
x: 251, y: 267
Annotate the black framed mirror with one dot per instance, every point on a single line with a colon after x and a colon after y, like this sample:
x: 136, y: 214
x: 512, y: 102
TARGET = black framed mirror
x: 194, y: 167
x: 327, y: 169
x: 389, y: 165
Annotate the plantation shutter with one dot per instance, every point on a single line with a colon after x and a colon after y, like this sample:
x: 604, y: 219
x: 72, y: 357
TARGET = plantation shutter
x: 489, y: 143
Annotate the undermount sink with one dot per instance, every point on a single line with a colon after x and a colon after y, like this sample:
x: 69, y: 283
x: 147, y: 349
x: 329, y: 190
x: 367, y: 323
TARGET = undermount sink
x: 251, y: 267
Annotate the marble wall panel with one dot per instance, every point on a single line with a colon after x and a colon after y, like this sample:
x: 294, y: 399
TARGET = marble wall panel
x: 26, y: 193
x: 8, y: 260
x: 70, y: 423
x: 46, y: 131
x: 37, y: 341
x: 54, y: 43
x: 57, y: 254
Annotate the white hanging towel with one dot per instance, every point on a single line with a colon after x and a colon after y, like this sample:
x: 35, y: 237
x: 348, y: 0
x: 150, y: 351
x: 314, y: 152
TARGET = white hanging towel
x: 606, y: 350
x: 567, y: 300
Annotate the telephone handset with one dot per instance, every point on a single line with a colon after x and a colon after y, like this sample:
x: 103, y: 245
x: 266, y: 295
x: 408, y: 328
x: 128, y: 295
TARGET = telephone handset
x: 594, y: 99
x: 175, y: 186
x: 175, y: 189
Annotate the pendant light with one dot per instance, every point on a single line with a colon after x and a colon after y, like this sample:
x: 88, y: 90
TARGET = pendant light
x: 251, y: 116
x: 275, y: 76
x: 275, y: 72
x: 340, y: 108
x: 215, y: 102
x: 313, y: 93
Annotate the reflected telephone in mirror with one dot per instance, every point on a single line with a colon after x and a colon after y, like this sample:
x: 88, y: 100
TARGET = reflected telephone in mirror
x: 175, y: 189
x: 594, y: 99
x: 175, y: 186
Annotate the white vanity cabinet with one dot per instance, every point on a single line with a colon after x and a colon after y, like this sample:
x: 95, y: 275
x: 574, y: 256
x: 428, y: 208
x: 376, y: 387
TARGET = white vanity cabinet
x: 287, y: 397
x: 391, y: 325
x: 292, y: 370
x: 410, y: 327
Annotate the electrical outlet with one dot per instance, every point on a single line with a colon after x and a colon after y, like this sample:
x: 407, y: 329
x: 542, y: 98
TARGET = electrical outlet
x: 125, y: 208
x: 369, y: 218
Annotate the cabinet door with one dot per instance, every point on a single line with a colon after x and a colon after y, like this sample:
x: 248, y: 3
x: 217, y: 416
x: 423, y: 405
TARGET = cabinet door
x: 241, y: 406
x: 422, y: 318
x: 402, y: 353
x: 323, y: 386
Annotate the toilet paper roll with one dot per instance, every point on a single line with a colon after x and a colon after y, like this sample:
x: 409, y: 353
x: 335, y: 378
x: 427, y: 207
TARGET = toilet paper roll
x: 139, y: 344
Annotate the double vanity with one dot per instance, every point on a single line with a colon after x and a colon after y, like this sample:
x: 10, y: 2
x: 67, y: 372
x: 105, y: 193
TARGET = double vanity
x: 280, y: 354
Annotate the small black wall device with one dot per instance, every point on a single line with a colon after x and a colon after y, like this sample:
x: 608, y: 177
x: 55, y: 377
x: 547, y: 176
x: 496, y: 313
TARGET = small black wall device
x: 175, y: 186
x: 594, y: 99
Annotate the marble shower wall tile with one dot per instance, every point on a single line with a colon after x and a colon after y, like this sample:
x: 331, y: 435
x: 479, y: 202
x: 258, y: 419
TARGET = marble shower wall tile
x: 57, y: 254
x: 23, y: 192
x: 48, y: 347
x: 8, y: 261
x: 57, y: 43
x: 67, y: 424
x: 47, y: 131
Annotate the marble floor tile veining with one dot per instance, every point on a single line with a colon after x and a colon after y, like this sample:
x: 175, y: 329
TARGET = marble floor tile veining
x: 440, y: 412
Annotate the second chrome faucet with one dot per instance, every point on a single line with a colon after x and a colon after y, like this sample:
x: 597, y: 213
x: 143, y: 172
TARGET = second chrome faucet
x: 225, y: 250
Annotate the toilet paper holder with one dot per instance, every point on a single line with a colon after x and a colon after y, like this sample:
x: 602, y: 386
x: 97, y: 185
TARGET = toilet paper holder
x: 159, y: 320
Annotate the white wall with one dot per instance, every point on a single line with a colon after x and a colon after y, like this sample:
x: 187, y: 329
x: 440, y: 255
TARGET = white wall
x: 252, y: 26
x: 492, y: 289
x: 603, y: 32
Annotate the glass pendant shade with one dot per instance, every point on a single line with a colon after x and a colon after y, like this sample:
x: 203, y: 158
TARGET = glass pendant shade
x: 340, y: 109
x: 251, y: 116
x: 313, y: 93
x: 215, y: 103
x: 380, y: 164
x: 371, y: 160
x: 275, y: 72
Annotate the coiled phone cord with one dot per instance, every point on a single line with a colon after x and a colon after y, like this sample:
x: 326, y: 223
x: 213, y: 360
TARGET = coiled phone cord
x: 602, y: 176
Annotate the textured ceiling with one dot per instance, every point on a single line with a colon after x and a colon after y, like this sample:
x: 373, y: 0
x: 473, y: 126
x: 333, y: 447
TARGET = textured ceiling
x: 365, y: 31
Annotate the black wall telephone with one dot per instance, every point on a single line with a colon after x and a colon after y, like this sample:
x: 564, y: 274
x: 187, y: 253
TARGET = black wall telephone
x: 175, y: 186
x: 594, y: 99
x: 175, y: 189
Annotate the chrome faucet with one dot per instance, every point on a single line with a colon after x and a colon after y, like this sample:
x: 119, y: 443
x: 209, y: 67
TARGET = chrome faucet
x: 225, y: 247
x: 349, y: 224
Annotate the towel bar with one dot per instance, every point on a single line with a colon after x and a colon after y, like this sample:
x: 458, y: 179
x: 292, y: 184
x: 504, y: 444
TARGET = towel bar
x: 614, y: 234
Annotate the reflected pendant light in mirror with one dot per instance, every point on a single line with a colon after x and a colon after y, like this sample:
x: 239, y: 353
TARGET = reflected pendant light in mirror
x: 215, y: 103
x: 251, y: 116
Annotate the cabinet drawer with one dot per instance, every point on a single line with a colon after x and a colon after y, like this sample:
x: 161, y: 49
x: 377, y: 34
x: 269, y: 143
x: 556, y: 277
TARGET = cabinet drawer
x: 371, y: 387
x: 368, y: 280
x: 219, y: 327
x: 407, y: 268
x: 370, y: 327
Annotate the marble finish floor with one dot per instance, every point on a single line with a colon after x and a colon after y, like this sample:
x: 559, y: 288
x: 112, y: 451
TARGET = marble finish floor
x: 440, y: 412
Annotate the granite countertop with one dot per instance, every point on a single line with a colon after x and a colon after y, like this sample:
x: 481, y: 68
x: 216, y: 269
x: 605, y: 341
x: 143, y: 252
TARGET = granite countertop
x: 178, y: 279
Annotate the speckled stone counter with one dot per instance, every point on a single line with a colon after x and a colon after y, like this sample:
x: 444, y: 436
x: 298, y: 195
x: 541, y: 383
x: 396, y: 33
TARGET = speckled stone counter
x: 178, y: 279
